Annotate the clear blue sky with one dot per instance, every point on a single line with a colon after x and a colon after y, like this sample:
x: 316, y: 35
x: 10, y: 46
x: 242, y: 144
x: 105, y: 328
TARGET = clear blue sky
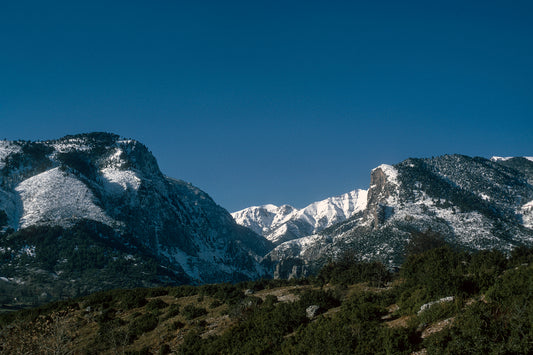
x: 273, y: 101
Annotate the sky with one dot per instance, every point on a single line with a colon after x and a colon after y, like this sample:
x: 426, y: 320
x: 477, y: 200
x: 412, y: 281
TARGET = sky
x: 277, y: 102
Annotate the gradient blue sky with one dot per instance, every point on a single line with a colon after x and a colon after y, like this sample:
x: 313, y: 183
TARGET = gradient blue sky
x: 273, y: 101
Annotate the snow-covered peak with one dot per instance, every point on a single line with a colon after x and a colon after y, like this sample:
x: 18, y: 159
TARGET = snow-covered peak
x: 260, y: 219
x: 286, y: 222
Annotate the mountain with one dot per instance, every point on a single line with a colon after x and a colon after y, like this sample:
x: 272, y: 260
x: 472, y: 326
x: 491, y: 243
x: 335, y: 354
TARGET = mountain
x: 284, y: 223
x: 94, y: 211
x: 473, y: 203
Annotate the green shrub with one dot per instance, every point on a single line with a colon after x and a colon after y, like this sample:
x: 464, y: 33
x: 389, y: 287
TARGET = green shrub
x: 143, y: 324
x: 324, y: 299
x: 348, y: 271
x: 440, y: 311
x: 172, y: 311
x: 177, y: 325
x: 191, y: 312
x: 157, y: 292
x: 156, y: 304
x: 431, y: 275
x: 183, y: 291
x: 131, y: 299
x: 164, y: 349
x: 215, y: 304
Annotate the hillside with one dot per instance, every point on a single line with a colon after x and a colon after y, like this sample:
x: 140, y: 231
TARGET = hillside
x: 442, y: 301
x: 473, y: 203
x: 93, y: 211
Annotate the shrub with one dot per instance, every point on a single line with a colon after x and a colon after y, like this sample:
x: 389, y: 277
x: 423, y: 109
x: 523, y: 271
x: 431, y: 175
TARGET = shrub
x: 183, y: 291
x: 348, y: 271
x: 173, y: 311
x: 215, y: 304
x: 191, y: 312
x: 157, y: 292
x: 143, y: 324
x: 177, y: 325
x: 440, y: 311
x: 323, y: 299
x: 156, y: 304
x: 131, y: 299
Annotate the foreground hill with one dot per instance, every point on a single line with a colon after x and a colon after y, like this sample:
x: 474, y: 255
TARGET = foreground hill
x: 443, y: 301
x: 93, y: 211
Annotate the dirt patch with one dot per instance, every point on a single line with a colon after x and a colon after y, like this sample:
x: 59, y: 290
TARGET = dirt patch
x: 401, y: 322
x: 437, y: 327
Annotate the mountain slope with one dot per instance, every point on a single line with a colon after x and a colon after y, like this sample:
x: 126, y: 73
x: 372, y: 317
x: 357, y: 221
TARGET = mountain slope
x: 284, y: 223
x: 473, y: 203
x: 113, y: 187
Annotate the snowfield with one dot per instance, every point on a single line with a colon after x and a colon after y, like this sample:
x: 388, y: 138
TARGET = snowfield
x: 59, y: 198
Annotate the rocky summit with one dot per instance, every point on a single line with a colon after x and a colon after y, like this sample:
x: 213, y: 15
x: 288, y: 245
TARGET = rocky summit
x: 472, y: 203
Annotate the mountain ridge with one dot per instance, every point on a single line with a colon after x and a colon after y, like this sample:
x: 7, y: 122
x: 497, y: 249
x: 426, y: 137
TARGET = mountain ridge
x: 114, y: 187
x: 472, y: 203
x: 283, y: 223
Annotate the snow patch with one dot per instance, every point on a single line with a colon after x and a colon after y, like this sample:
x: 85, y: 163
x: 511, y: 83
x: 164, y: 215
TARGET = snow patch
x: 500, y: 158
x: 118, y: 181
x: 508, y: 158
x: 68, y: 145
x: 484, y: 197
x: 58, y: 198
x: 527, y: 214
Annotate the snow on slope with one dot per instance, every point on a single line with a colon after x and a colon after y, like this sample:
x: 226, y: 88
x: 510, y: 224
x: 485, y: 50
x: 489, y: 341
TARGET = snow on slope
x: 118, y: 181
x: 7, y: 148
x: 508, y: 158
x: 283, y: 223
x: 527, y: 214
x: 59, y: 197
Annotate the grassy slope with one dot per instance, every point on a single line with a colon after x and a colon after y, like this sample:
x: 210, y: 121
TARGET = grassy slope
x: 492, y: 312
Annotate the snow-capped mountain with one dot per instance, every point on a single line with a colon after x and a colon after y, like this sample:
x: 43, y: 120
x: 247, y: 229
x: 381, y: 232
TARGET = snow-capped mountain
x: 474, y: 203
x: 284, y: 223
x: 114, y: 187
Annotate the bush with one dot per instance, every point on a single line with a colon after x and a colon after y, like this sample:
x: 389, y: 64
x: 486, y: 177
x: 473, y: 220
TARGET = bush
x: 131, y: 299
x: 324, y: 299
x: 440, y: 311
x: 183, y: 291
x: 215, y: 304
x: 348, y: 271
x: 157, y: 292
x: 173, y: 311
x: 143, y: 324
x: 177, y: 325
x: 156, y: 304
x: 190, y: 312
x: 431, y: 275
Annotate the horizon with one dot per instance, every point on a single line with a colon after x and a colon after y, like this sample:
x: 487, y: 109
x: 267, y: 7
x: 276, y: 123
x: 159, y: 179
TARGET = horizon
x: 259, y: 103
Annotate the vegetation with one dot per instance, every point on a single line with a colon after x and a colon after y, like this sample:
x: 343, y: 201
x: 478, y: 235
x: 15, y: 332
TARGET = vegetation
x: 443, y: 300
x: 56, y: 262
